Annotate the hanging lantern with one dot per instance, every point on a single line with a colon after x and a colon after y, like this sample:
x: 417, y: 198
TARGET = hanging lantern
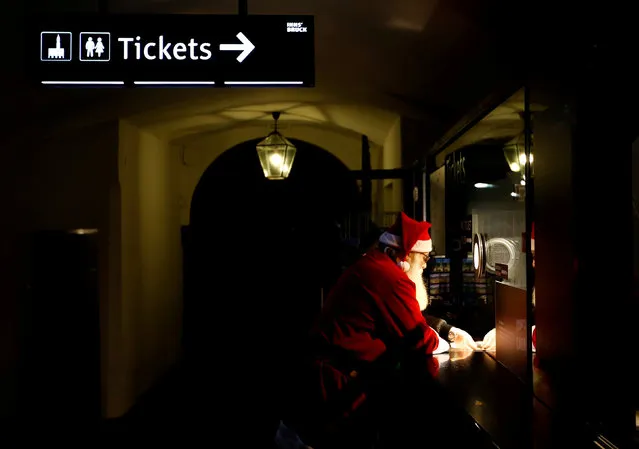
x: 515, y: 153
x: 276, y: 154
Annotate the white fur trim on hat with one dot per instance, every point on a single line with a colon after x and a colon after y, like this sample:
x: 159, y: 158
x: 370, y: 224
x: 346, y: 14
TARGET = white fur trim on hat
x: 423, y: 246
x: 420, y: 246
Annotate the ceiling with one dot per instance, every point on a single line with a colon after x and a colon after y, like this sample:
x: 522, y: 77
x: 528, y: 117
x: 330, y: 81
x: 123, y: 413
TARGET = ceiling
x: 375, y: 123
x: 504, y: 122
x: 210, y: 115
x: 429, y: 60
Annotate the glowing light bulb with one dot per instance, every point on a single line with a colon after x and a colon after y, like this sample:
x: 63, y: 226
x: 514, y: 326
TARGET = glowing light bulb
x: 515, y: 166
x: 476, y: 256
x: 276, y: 159
x: 522, y: 158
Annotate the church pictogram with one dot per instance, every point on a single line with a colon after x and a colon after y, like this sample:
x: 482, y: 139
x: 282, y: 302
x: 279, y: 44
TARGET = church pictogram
x: 57, y: 52
x: 55, y: 46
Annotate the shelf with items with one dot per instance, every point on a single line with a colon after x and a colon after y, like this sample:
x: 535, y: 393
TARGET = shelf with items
x: 477, y: 301
x: 439, y: 283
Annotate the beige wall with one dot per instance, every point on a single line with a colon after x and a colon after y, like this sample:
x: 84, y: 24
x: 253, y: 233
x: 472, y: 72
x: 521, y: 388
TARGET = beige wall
x: 68, y: 179
x: 392, y: 196
x: 438, y: 209
x: 151, y: 263
x: 136, y: 189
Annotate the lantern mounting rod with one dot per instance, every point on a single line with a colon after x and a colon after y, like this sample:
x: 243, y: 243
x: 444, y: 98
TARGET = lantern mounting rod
x: 276, y: 116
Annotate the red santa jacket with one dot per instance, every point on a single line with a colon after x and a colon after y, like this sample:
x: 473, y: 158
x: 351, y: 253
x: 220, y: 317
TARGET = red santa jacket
x: 372, y: 304
x: 371, y: 308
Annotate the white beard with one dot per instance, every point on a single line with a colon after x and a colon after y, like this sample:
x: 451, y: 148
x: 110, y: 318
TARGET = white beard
x: 415, y: 274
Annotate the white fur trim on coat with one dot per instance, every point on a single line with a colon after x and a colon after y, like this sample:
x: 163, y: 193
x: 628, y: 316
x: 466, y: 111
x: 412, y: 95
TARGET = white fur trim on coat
x: 442, y: 347
x: 421, y: 246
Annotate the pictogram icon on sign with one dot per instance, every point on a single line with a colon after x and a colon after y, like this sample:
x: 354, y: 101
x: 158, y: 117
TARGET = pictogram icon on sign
x: 55, y: 46
x: 95, y: 46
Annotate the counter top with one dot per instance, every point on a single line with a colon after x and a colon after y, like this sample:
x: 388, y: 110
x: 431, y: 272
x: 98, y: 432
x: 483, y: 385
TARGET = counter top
x: 496, y: 399
x: 501, y: 404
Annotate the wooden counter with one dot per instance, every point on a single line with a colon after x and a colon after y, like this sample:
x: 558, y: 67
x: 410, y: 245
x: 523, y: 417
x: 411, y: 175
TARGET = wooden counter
x: 502, y: 406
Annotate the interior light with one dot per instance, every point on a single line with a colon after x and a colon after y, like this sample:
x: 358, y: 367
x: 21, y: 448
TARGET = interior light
x: 83, y: 231
x: 523, y: 182
x: 483, y: 185
x: 276, y: 159
x: 479, y: 255
x: 514, y: 194
x: 276, y: 153
x: 515, y: 166
x: 522, y: 158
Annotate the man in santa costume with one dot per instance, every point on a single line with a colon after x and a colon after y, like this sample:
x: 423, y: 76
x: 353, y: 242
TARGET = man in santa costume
x: 489, y: 342
x: 372, y: 315
x: 458, y: 338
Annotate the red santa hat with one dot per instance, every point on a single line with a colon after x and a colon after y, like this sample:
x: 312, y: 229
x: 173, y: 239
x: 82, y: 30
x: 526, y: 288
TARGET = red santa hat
x: 408, y: 235
x: 532, y: 237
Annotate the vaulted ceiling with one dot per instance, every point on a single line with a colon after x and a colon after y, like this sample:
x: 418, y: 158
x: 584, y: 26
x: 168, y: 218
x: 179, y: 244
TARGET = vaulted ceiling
x: 429, y: 60
x: 345, y: 119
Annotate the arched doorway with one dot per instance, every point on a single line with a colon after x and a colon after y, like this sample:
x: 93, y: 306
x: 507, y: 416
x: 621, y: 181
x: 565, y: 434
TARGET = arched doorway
x: 258, y: 253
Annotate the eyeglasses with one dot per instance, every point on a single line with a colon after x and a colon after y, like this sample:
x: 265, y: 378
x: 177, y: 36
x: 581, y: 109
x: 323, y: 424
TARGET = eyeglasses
x: 426, y: 256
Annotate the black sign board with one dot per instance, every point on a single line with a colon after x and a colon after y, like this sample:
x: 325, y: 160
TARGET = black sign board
x: 172, y: 50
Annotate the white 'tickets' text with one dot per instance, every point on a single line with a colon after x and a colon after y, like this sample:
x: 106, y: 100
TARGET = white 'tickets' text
x: 165, y: 50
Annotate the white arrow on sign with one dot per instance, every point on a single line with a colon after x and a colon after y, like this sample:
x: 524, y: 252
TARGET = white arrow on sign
x: 246, y: 47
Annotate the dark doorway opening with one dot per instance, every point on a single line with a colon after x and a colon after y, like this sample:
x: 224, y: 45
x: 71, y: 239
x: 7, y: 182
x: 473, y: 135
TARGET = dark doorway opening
x: 271, y: 247
x: 258, y: 254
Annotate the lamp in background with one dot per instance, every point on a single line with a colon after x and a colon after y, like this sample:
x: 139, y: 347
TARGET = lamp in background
x: 276, y: 154
x: 515, y: 153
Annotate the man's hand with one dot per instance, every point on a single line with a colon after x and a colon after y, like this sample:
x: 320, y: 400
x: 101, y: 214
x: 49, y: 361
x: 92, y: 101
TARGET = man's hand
x: 462, y: 340
x: 490, y: 341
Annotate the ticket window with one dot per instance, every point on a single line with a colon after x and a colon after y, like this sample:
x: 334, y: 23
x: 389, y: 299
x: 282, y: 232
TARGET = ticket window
x: 478, y: 207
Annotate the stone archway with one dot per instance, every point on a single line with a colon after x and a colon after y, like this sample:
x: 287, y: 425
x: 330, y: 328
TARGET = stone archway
x: 318, y: 181
x: 274, y: 244
x: 247, y: 263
